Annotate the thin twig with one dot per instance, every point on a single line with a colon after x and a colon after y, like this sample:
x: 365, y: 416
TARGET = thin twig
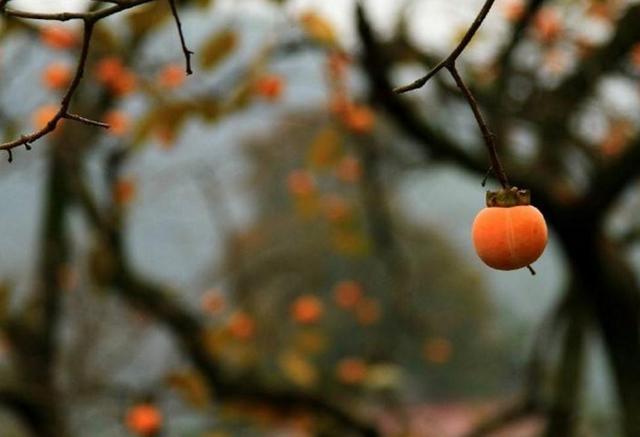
x: 449, y: 60
x: 498, y: 169
x: 66, y: 100
x: 89, y: 18
x: 187, y: 52
x: 85, y: 120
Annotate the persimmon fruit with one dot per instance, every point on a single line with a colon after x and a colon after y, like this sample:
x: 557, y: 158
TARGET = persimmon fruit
x: 270, y: 87
x: 307, y: 309
x: 509, y: 233
x: 57, y: 76
x: 58, y: 37
x: 144, y: 419
x: 351, y: 370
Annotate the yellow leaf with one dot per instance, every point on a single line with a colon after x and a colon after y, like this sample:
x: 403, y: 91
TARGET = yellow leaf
x: 325, y: 149
x: 311, y: 341
x: 319, y: 28
x: 191, y: 386
x: 143, y: 19
x: 384, y: 376
x: 299, y: 370
x: 217, y: 47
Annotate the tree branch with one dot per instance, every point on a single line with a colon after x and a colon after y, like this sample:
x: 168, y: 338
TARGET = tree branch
x: 450, y: 60
x: 185, y: 49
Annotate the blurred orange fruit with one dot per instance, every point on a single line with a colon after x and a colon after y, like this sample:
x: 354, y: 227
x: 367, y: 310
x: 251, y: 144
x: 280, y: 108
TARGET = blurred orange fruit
x: 438, y: 350
x: 307, y: 309
x: 351, y: 370
x: 635, y: 55
x: 172, y: 76
x: 241, y: 325
x: 213, y: 301
x: 367, y: 311
x: 360, y: 119
x: 269, y: 86
x: 124, y: 191
x: 58, y: 37
x: 547, y: 25
x: 337, y: 63
x: 112, y: 73
x: 144, y: 419
x: 108, y: 69
x: 43, y: 115
x: 118, y: 122
x: 336, y: 209
x: 347, y: 294
x: 349, y: 169
x: 300, y: 183
x: 57, y: 75
x: 513, y: 10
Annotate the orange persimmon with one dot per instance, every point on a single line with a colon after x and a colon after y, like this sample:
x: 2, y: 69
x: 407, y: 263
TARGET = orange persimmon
x: 347, y: 294
x: 300, y: 183
x: 144, y: 419
x: 351, y: 370
x: 360, y: 119
x: 57, y: 75
x: 171, y: 76
x: 269, y: 86
x: 58, y: 37
x: 241, y: 326
x: 43, y: 115
x: 124, y: 191
x: 118, y: 122
x: 307, y: 309
x: 509, y: 233
x: 547, y: 25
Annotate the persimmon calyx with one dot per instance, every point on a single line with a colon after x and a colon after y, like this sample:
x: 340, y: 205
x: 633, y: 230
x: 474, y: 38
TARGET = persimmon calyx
x: 508, y: 197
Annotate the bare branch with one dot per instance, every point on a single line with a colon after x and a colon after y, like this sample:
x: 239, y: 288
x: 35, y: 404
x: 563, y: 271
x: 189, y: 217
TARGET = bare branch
x: 85, y: 120
x: 488, y: 137
x: 450, y: 60
x: 185, y: 49
x: 90, y: 19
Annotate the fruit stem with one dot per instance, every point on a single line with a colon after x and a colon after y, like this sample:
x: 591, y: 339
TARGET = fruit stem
x: 508, y: 197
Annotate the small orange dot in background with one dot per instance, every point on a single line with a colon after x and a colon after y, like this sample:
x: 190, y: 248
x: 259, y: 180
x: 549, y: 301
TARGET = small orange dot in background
x: 339, y: 104
x: 337, y: 64
x: 347, y: 294
x: 336, y: 208
x: 635, y: 55
x: 125, y: 191
x: 547, y: 25
x: 213, y: 301
x: 349, y: 169
x: 112, y: 73
x: 172, y: 76
x: 269, y: 86
x: 43, y: 115
x: 351, y: 370
x: 300, y: 183
x: 438, y: 350
x: 307, y: 309
x: 513, y: 10
x: 125, y: 84
x: 367, y: 311
x: 118, y: 122
x: 360, y: 119
x: 58, y: 37
x: 108, y: 69
x: 241, y: 325
x: 57, y: 75
x: 144, y: 419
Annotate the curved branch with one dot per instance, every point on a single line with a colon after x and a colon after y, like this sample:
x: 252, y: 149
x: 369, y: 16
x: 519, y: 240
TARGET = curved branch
x: 450, y: 60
